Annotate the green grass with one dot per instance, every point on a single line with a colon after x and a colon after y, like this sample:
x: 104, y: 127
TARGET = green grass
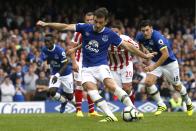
x: 68, y: 122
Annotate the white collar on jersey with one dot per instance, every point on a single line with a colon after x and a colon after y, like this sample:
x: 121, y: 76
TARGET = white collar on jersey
x: 52, y: 48
x: 101, y: 30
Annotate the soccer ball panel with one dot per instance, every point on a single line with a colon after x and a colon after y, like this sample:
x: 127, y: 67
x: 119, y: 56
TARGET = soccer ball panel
x: 129, y: 114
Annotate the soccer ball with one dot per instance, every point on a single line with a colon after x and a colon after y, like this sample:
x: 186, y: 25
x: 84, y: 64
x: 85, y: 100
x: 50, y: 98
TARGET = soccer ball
x: 129, y: 114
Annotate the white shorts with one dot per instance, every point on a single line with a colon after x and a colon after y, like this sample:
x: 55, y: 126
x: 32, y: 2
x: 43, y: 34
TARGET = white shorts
x: 92, y: 74
x: 170, y: 71
x: 78, y: 75
x: 123, y: 75
x: 66, y: 82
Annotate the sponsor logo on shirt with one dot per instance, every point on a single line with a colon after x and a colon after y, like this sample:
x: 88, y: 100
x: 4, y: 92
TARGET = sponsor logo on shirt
x: 93, y: 46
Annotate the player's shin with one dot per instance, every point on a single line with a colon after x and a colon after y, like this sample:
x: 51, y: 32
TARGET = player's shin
x: 184, y: 95
x: 101, y: 103
x: 132, y: 96
x: 153, y: 91
x: 90, y: 104
x: 60, y: 98
x: 78, y: 97
x: 52, y: 92
x: 123, y: 96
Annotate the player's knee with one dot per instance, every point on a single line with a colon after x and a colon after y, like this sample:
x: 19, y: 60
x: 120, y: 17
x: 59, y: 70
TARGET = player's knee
x: 127, y: 88
x: 177, y: 87
x: 52, y: 91
x: 110, y: 84
x: 148, y: 83
x: 150, y: 80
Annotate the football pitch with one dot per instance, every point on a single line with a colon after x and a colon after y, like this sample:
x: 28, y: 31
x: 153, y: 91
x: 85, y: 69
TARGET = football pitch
x: 69, y: 122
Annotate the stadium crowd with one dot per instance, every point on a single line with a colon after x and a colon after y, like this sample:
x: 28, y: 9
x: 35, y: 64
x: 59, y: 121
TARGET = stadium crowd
x: 23, y: 77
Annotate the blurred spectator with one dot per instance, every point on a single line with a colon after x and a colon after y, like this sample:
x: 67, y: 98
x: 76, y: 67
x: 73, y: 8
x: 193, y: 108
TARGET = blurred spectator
x: 2, y: 75
x: 175, y: 103
x: 24, y: 66
x: 41, y: 87
x: 5, y: 65
x: 17, y: 73
x: 29, y: 80
x: 20, y: 91
x: 7, y: 90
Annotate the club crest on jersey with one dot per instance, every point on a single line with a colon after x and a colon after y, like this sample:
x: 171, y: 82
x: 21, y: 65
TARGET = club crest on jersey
x: 105, y: 38
x: 93, y: 46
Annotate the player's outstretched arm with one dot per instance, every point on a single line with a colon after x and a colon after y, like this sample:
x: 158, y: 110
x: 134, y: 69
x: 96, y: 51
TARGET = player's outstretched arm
x: 161, y: 60
x: 136, y: 51
x: 71, y: 53
x: 57, y: 26
x: 73, y: 50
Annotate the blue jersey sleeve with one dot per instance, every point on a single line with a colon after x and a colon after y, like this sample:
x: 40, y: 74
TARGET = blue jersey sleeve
x: 160, y: 41
x: 138, y: 37
x: 80, y: 27
x: 115, y: 39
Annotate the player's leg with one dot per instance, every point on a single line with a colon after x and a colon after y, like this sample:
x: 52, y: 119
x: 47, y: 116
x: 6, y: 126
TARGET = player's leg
x: 101, y: 103
x: 67, y: 87
x: 172, y: 74
x: 78, y: 94
x: 106, y: 76
x: 126, y: 78
x: 78, y: 91
x: 127, y: 87
x: 123, y: 80
x: 91, y: 109
x: 53, y: 92
x: 153, y: 91
x: 182, y: 89
x: 89, y: 83
x: 120, y: 93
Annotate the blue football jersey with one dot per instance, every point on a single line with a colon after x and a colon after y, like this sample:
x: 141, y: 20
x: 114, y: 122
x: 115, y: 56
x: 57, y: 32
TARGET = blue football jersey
x: 95, y: 44
x: 155, y: 44
x: 56, y: 58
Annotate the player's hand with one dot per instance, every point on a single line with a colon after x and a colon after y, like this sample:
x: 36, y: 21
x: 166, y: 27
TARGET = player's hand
x: 149, y: 68
x: 41, y: 23
x: 54, y: 79
x: 151, y: 55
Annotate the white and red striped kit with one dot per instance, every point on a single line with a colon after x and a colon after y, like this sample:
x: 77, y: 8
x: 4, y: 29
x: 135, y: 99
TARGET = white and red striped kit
x: 77, y: 38
x: 120, y: 57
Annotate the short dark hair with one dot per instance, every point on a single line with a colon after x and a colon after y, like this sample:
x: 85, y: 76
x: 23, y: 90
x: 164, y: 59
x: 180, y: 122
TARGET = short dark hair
x: 145, y: 23
x: 101, y: 13
x: 89, y: 14
x: 117, y: 24
x: 48, y: 37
